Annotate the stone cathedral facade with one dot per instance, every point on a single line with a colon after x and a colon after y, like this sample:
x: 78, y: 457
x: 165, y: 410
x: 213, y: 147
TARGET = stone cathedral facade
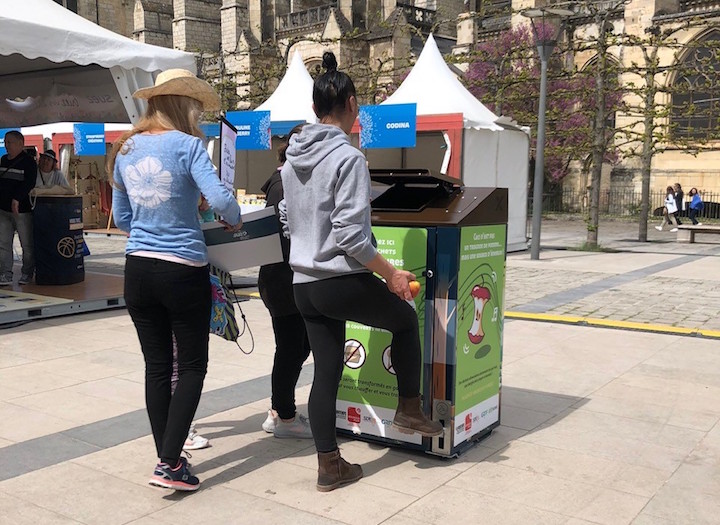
x: 237, y: 37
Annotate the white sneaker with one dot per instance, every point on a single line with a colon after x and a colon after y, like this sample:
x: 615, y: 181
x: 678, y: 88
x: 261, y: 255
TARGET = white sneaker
x: 298, y: 428
x: 673, y: 230
x: 270, y: 423
x: 699, y: 224
x: 658, y: 228
x: 195, y: 441
x: 5, y: 280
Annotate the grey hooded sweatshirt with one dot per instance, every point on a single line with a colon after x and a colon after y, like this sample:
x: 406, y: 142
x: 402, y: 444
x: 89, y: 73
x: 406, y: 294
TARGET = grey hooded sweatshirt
x: 326, y: 209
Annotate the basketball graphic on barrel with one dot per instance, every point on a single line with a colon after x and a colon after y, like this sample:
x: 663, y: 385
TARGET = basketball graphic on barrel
x: 66, y: 247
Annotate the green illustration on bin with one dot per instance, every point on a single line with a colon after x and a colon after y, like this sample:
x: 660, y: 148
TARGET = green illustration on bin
x: 367, y: 397
x: 481, y: 284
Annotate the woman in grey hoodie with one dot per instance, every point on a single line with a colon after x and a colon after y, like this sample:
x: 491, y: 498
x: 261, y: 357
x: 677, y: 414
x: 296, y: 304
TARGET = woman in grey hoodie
x: 326, y: 213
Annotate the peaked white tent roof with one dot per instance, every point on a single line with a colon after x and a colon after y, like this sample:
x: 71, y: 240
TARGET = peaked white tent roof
x: 292, y: 100
x: 435, y: 89
x: 67, y: 68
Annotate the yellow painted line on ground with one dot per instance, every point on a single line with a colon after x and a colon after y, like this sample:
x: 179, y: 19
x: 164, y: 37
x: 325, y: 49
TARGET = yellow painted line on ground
x: 610, y: 323
x: 551, y: 318
x: 255, y: 295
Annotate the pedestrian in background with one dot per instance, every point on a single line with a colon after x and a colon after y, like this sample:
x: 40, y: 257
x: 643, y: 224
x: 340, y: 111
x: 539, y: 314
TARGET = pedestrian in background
x: 669, y: 210
x: 159, y: 170
x: 679, y: 201
x: 695, y: 207
x: 17, y: 177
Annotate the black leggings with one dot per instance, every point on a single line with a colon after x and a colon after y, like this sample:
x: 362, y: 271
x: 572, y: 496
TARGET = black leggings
x: 326, y: 305
x: 165, y: 298
x: 292, y: 348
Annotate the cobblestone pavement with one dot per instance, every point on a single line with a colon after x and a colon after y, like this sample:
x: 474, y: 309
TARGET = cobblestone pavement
x: 657, y: 282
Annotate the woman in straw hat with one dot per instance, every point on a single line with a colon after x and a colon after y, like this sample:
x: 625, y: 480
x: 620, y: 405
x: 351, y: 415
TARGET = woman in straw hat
x: 159, y: 169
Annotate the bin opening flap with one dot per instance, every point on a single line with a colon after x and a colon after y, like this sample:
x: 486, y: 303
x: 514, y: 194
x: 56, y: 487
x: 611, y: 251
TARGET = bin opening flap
x: 410, y: 189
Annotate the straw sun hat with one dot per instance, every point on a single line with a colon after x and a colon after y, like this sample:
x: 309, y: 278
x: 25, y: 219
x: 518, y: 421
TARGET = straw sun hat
x: 182, y: 82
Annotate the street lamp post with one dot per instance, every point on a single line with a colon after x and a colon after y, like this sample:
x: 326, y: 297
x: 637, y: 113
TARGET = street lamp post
x: 546, y: 32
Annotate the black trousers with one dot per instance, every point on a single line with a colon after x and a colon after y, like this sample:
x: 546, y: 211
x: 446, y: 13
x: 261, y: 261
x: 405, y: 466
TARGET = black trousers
x: 292, y: 348
x: 326, y: 305
x: 165, y: 298
x: 693, y: 213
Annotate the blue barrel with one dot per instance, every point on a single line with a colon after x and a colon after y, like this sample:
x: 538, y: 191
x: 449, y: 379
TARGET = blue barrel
x: 58, y: 234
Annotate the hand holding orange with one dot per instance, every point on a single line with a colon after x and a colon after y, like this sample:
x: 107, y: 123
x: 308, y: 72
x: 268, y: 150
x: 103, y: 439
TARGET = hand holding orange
x: 414, y: 288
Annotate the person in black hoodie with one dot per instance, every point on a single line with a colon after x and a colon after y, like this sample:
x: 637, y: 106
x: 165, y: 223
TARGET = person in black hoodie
x: 292, y: 347
x: 18, y: 171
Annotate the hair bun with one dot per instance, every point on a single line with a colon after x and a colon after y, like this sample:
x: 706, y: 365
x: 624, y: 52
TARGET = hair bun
x: 329, y: 62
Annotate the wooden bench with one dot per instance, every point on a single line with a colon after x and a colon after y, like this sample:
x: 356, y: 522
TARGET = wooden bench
x: 686, y: 232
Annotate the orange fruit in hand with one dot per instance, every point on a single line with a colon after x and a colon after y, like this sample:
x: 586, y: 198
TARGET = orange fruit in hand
x: 414, y: 288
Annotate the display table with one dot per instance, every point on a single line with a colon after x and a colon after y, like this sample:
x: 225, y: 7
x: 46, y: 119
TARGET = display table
x: 58, y: 238
x: 454, y: 240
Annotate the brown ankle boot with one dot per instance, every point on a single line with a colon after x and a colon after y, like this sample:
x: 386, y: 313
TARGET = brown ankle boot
x: 334, y: 471
x: 410, y: 418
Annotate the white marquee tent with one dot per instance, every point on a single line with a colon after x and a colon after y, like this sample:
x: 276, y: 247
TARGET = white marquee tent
x: 493, y: 155
x: 292, y: 100
x: 56, y: 66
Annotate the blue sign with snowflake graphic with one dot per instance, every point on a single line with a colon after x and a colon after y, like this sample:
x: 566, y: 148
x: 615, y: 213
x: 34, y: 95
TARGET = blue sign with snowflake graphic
x: 253, y: 129
x: 89, y: 140
x: 388, y: 126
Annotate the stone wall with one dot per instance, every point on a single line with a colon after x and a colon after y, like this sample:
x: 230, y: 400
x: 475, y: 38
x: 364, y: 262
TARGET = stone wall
x: 196, y: 25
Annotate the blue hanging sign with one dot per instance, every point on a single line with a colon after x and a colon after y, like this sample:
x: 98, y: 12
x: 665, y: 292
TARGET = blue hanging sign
x: 253, y: 129
x: 281, y: 128
x: 3, y: 151
x: 388, y: 126
x: 210, y: 129
x: 89, y: 140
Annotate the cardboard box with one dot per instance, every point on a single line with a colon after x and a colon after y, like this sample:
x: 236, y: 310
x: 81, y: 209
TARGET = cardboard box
x: 257, y: 243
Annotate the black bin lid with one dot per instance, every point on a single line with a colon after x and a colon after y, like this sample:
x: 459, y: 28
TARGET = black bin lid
x: 410, y: 190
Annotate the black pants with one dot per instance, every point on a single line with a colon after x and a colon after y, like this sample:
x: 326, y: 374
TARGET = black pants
x: 326, y: 305
x: 292, y: 348
x: 692, y: 213
x: 165, y: 298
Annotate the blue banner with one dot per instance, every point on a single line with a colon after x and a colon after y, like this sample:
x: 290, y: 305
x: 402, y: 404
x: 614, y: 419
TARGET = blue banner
x: 3, y: 151
x: 210, y: 129
x: 389, y: 126
x: 253, y: 129
x: 280, y: 128
x: 89, y: 140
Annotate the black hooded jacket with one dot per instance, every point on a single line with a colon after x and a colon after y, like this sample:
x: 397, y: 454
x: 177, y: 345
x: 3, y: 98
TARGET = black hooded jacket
x: 275, y: 280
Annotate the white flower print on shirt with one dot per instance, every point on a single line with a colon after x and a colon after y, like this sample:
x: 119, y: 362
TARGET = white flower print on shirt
x: 146, y: 183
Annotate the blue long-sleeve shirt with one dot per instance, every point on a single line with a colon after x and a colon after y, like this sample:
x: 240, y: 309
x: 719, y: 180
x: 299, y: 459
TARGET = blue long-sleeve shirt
x: 158, y: 185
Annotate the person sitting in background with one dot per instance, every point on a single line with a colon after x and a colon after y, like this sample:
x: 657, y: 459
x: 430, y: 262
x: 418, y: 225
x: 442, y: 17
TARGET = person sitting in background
x: 696, y: 206
x: 47, y: 173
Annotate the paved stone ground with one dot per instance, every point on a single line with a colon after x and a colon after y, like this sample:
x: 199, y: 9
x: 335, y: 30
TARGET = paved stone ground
x: 598, y: 426
x: 658, y: 282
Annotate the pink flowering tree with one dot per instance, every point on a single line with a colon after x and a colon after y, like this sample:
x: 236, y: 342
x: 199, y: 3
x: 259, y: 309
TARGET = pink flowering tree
x: 504, y: 74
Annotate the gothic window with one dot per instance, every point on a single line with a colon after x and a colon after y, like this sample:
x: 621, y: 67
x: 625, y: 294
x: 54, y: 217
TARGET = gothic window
x: 69, y: 4
x: 695, y: 112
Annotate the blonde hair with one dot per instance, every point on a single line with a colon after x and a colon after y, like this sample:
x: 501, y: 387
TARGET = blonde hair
x: 165, y: 112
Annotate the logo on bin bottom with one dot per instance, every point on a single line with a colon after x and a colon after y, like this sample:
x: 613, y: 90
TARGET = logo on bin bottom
x: 354, y: 415
x: 468, y: 422
x: 66, y: 247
